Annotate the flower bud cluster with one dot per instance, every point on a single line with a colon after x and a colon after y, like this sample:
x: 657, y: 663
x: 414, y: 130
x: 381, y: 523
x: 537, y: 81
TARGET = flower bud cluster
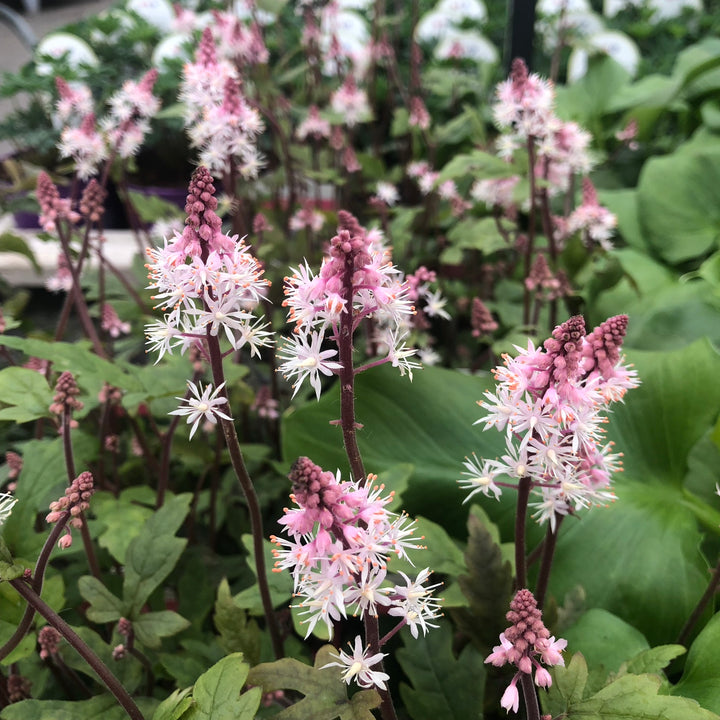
x: 52, y: 207
x: 341, y: 536
x: 65, y: 398
x: 526, y: 644
x: 208, y: 281
x: 49, y: 641
x: 550, y: 403
x: 75, y: 501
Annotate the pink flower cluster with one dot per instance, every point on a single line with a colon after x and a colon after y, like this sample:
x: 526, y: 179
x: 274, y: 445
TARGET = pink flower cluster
x: 526, y: 644
x: 550, y: 403
x: 356, y: 277
x: 121, y: 131
x: 592, y: 218
x: 76, y: 499
x: 525, y: 113
x: 341, y: 536
x: 221, y: 123
x: 208, y: 281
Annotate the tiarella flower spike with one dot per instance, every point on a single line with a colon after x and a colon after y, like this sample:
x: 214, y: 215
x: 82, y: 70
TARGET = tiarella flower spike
x: 549, y: 402
x: 75, y: 501
x: 341, y: 536
x: 208, y: 282
x: 527, y: 644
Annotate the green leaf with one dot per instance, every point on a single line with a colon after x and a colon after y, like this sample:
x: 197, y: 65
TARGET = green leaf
x: 26, y: 648
x: 654, y: 660
x: 151, y: 208
x: 100, y: 707
x: 238, y: 633
x: 325, y: 693
x: 442, y: 686
x: 280, y: 584
x: 701, y: 678
x: 644, y: 545
x: 153, y: 554
x: 474, y: 234
x: 605, y: 640
x: 12, y: 243
x: 174, y: 706
x: 679, y: 204
x: 104, y: 606
x: 476, y: 164
x: 568, y: 686
x: 151, y: 627
x: 487, y: 585
x: 663, y: 419
x: 635, y: 697
x: 427, y: 423
x: 27, y: 392
x: 123, y: 520
x: 40, y: 483
x: 216, y: 695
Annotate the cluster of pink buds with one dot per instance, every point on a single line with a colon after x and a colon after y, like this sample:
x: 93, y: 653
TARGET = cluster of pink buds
x: 209, y: 282
x: 357, y: 281
x: 550, y: 403
x: 526, y: 644
x: 341, y: 536
x: 75, y: 500
x: 65, y: 399
x: 111, y: 322
x: 53, y: 208
x: 49, y: 640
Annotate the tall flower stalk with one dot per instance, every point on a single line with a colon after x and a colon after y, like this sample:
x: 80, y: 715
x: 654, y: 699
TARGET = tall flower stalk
x: 210, y: 283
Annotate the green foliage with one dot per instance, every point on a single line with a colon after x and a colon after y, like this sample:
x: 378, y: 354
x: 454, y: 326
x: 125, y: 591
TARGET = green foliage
x: 27, y: 394
x: 632, y: 697
x: 238, y: 633
x: 701, y: 678
x: 443, y: 686
x: 325, y: 693
x: 100, y: 707
x: 487, y: 584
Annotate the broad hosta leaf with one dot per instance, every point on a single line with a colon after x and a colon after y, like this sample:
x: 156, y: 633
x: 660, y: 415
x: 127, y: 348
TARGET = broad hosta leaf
x: 701, y: 679
x: 427, y: 423
x: 151, y: 627
x: 630, y: 697
x: 325, y: 693
x: 238, y: 633
x: 663, y: 419
x: 442, y: 686
x: 153, y: 554
x: 104, y: 606
x: 604, y: 640
x: 644, y: 545
x: 216, y: 695
x: 487, y: 585
x: 679, y: 204
x: 27, y: 392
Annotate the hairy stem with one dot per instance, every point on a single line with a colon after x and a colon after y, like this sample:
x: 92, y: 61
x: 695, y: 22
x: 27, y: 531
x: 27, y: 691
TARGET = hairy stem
x: 102, y: 670
x: 531, y: 701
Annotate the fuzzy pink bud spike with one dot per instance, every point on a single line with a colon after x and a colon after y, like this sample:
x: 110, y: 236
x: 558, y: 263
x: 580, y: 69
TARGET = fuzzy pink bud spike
x: 63, y: 88
x: 603, y: 345
x: 92, y: 201
x: 75, y: 500
x: 589, y: 193
x: 231, y: 97
x: 481, y: 319
x: 564, y: 349
x: 518, y: 74
x: 206, y: 54
x: 202, y: 225
x: 49, y: 640
x: 147, y: 82
x: 312, y: 487
x: 347, y: 221
x: 64, y: 400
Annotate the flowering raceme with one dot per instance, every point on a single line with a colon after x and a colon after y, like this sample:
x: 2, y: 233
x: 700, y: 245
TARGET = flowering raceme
x: 549, y: 402
x: 341, y: 536
x: 356, y: 277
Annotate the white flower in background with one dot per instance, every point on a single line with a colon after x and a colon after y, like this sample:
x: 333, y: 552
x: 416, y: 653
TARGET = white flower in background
x: 432, y: 26
x: 352, y: 33
x: 458, y: 11
x: 158, y: 13
x: 555, y: 7
x: 574, y: 25
x: 203, y: 406
x: 466, y: 44
x: 614, y: 44
x: 662, y: 9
